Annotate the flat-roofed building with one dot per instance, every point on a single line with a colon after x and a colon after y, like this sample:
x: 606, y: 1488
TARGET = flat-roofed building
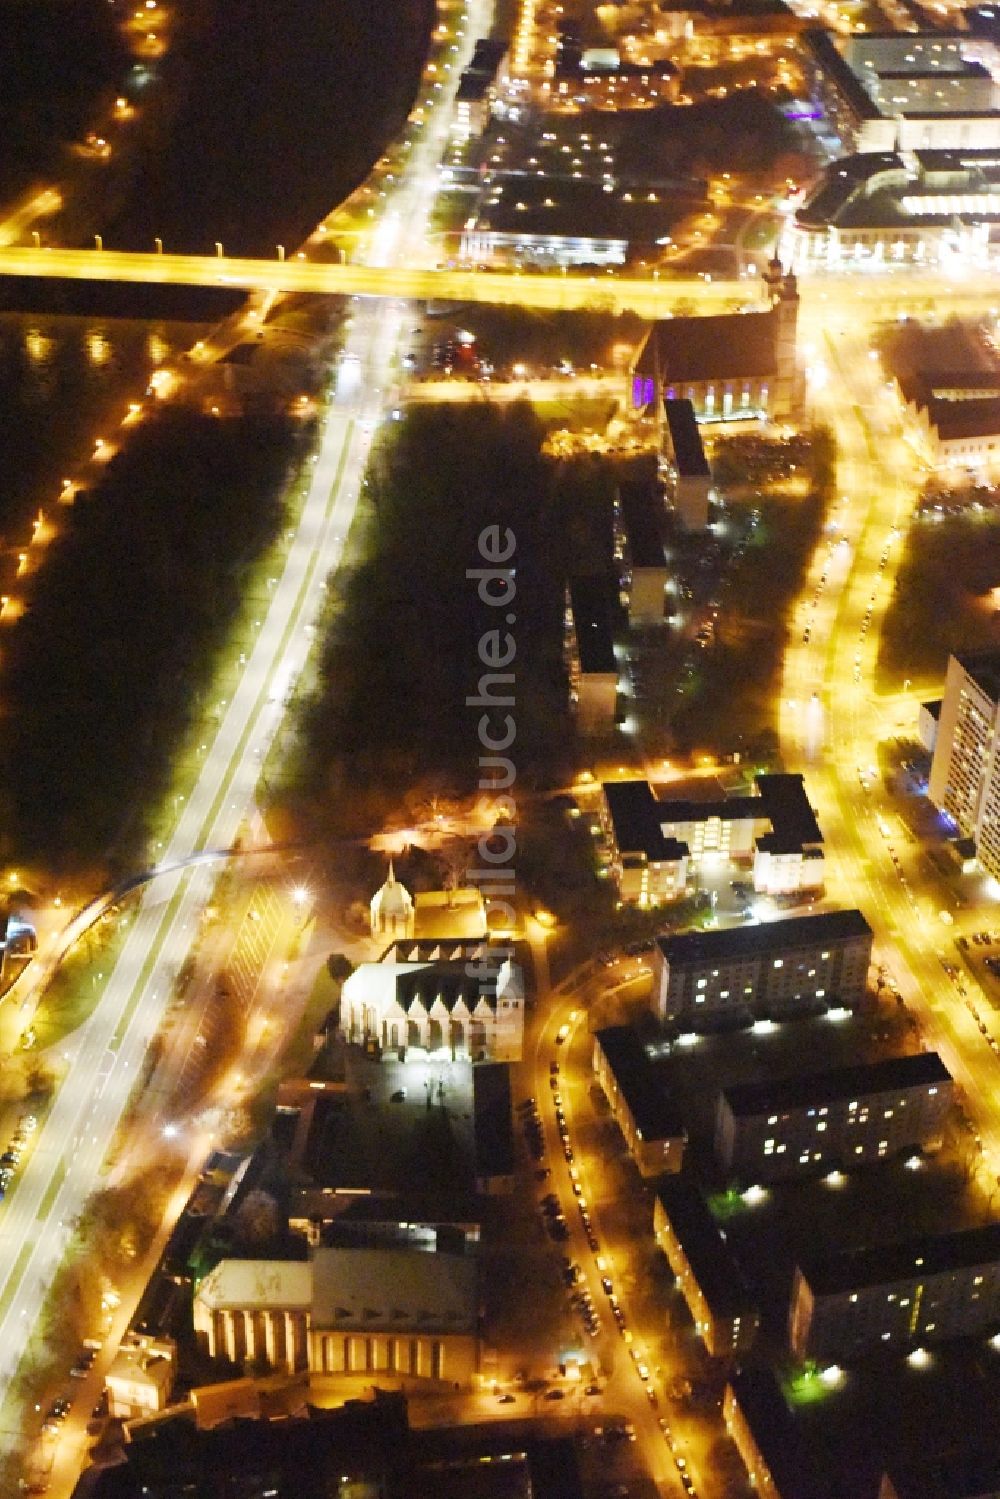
x: 928, y: 718
x: 896, y: 1296
x: 889, y: 91
x: 958, y: 1476
x: 640, y: 1105
x: 765, y: 971
x: 639, y: 546
x: 692, y: 477
x: 655, y: 845
x: 703, y: 1265
x: 964, y: 780
x: 778, y: 1457
x: 649, y: 868
x: 840, y: 1118
x: 589, y: 654
x: 406, y: 1311
x: 600, y: 79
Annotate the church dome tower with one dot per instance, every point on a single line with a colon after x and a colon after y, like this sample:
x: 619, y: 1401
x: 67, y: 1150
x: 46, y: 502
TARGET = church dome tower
x: 392, y: 909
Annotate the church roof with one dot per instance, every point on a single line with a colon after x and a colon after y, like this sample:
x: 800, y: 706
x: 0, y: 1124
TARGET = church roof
x: 248, y: 1284
x: 394, y: 1290
x: 445, y: 982
x: 722, y: 346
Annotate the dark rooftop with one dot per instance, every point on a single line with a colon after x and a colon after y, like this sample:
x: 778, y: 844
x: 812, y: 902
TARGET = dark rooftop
x: 655, y: 1115
x: 590, y: 602
x: 704, y: 1245
x: 730, y: 943
x: 984, y: 669
x: 685, y: 439
x: 473, y: 86
x: 718, y: 347
x: 975, y: 418
x: 448, y: 982
x: 788, y: 809
x: 641, y: 508
x: 635, y: 816
x: 779, y: 1440
x: 883, y: 1264
x: 826, y: 54
x: 805, y: 1089
x: 726, y: 808
x: 491, y: 1112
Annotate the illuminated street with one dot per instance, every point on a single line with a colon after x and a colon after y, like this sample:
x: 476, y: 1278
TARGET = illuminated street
x: 105, y: 1054
x: 361, y: 1121
x: 832, y: 718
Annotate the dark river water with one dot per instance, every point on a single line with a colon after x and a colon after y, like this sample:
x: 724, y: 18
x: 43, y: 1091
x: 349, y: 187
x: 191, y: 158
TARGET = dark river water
x: 63, y: 382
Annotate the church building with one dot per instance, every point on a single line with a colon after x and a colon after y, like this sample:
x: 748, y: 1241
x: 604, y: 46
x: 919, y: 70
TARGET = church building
x: 734, y: 366
x: 451, y: 998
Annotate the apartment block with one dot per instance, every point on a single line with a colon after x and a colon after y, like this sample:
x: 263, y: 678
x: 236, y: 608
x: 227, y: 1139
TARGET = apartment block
x: 656, y: 845
x: 838, y: 1119
x: 707, y: 1275
x: 767, y: 971
x: 779, y: 1460
x: 898, y: 1296
x: 639, y: 547
x: 692, y: 475
x: 589, y: 654
x: 640, y: 1105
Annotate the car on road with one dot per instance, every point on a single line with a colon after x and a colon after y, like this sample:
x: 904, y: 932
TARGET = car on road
x: 607, y: 1285
x: 83, y: 1364
x: 555, y: 1395
x: 505, y: 1400
x: 562, y: 1034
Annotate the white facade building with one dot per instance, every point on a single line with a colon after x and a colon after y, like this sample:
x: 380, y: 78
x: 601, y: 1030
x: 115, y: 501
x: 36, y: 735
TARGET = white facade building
x: 964, y: 780
x: 465, y: 999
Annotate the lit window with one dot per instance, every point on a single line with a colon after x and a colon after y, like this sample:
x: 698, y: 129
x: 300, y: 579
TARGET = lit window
x: 854, y: 1295
x: 779, y: 963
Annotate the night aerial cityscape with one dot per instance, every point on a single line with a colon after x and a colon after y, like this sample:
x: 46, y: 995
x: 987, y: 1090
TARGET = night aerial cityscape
x: 500, y: 749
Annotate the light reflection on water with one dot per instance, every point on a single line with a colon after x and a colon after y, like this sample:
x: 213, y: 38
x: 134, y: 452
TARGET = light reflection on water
x: 63, y: 379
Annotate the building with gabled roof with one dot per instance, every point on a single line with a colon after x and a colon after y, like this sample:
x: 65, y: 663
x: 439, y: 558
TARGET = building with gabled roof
x: 730, y: 366
x: 463, y: 999
x: 407, y: 1311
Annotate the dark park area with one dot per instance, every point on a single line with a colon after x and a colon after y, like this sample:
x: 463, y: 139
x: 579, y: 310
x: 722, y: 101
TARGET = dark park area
x: 108, y: 667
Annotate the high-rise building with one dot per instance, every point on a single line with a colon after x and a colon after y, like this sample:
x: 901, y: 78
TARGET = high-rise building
x: 964, y: 782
